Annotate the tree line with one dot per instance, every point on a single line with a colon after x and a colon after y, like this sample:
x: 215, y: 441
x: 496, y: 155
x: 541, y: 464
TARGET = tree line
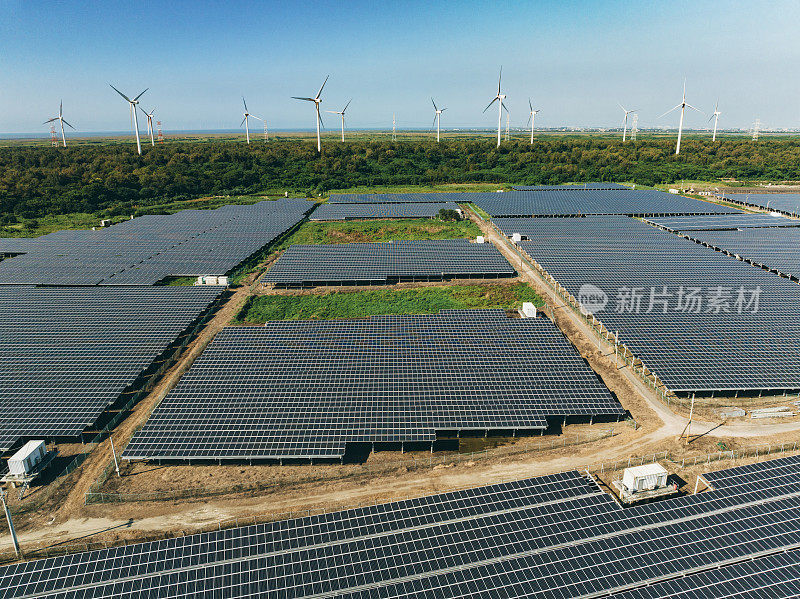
x: 36, y: 181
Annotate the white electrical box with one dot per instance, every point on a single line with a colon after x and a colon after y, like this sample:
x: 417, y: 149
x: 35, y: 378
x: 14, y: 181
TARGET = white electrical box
x: 26, y: 459
x: 645, y: 478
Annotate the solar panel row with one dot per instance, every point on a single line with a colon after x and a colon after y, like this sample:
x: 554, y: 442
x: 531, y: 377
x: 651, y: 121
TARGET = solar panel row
x: 306, y: 389
x: 721, y: 222
x: 591, y: 186
x: 144, y: 250
x: 702, y: 321
x: 788, y: 203
x: 388, y: 198
x: 387, y: 262
x: 556, y: 536
x: 392, y: 210
x: 67, y: 353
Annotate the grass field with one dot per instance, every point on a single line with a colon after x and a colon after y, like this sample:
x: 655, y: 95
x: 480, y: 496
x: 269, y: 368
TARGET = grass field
x: 358, y: 304
x: 380, y: 230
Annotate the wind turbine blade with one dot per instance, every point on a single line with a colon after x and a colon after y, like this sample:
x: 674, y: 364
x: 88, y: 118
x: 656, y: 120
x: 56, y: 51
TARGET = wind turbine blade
x: 697, y: 109
x: 712, y: 116
x: 442, y: 110
x: 434, y: 104
x: 529, y: 119
x: 668, y: 111
x: 319, y: 116
x: 346, y: 105
x: 621, y: 106
x: 144, y: 111
x: 252, y: 116
x: 319, y: 93
x: 61, y: 108
x: 66, y: 123
x: 55, y: 118
x: 140, y: 95
x: 434, y: 122
x: 308, y: 99
x: 243, y: 120
x: 530, y: 104
x: 120, y: 93
x: 333, y: 112
x: 245, y: 104
x: 490, y: 105
x: 499, y: 80
x: 504, y: 106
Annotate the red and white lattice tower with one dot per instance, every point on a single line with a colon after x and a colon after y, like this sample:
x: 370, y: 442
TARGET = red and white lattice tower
x: 160, y: 132
x: 53, y: 138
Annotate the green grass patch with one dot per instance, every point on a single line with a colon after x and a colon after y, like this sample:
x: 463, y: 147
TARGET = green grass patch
x: 312, y: 232
x: 358, y: 304
x: 177, y: 282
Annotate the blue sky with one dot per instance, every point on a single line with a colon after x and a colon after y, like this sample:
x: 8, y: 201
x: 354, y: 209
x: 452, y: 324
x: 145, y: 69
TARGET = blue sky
x: 577, y: 59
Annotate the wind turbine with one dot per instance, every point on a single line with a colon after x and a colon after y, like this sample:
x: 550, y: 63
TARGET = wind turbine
x: 133, y: 104
x: 714, y: 116
x: 317, y: 100
x: 498, y: 98
x: 625, y: 128
x: 60, y: 119
x: 341, y: 114
x: 682, y: 106
x: 149, y: 116
x: 246, y: 120
x: 437, y: 118
x: 532, y: 117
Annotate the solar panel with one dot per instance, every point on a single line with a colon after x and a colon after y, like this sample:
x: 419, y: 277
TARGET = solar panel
x: 370, y: 211
x: 388, y: 198
x: 722, y: 222
x: 554, y: 536
x: 387, y: 262
x: 574, y: 187
x: 702, y: 321
x: 144, y: 250
x: 788, y: 203
x: 306, y: 389
x: 549, y: 202
x: 67, y: 353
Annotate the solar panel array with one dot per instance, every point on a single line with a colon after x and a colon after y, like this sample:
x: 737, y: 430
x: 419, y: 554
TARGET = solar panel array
x: 577, y: 202
x: 389, y: 198
x: 307, y: 388
x: 386, y: 262
x: 66, y: 353
x: 783, y: 202
x: 684, y: 309
x: 552, y: 537
x: 722, y: 222
x: 144, y: 250
x: 391, y: 210
x: 775, y: 249
x: 591, y: 186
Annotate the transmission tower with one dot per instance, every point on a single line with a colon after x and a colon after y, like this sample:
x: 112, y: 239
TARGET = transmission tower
x: 266, y: 132
x: 508, y: 120
x: 53, y: 138
x: 160, y: 132
x: 394, y: 129
x: 634, y: 126
x: 756, y: 129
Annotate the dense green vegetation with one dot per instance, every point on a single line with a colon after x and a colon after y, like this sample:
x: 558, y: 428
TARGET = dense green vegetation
x: 357, y: 304
x: 39, y: 181
x: 357, y: 231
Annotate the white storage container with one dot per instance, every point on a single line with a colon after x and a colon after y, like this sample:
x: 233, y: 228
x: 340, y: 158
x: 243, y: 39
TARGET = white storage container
x: 25, y: 460
x: 645, y: 478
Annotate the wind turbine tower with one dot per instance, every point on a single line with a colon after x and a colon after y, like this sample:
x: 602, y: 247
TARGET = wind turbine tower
x: 532, y: 117
x: 62, y: 122
x: 149, y: 116
x: 498, y: 98
x: 317, y: 101
x: 135, y: 123
x: 246, y: 120
x: 682, y: 106
x: 625, y: 126
x: 437, y: 118
x: 715, y: 116
x: 341, y: 114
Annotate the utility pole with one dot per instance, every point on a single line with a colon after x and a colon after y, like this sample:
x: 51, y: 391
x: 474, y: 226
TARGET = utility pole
x: 114, y: 452
x: 10, y: 524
